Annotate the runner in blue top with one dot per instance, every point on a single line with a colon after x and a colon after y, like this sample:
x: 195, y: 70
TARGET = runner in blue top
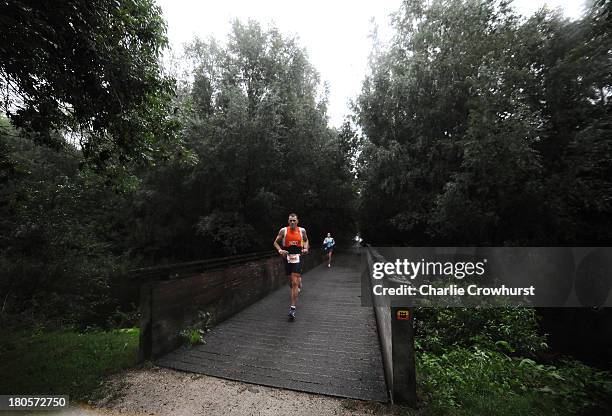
x: 328, y: 246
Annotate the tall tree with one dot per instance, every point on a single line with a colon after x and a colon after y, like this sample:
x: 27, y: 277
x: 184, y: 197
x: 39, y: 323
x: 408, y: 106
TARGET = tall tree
x: 90, y: 70
x: 254, y: 113
x: 477, y: 123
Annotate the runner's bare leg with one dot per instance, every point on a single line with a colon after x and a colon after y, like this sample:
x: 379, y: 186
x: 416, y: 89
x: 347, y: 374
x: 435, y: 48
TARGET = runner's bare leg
x: 295, y: 281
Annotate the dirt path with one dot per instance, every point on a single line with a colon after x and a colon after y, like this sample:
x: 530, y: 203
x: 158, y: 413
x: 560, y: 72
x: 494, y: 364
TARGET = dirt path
x: 164, y: 392
x: 160, y: 391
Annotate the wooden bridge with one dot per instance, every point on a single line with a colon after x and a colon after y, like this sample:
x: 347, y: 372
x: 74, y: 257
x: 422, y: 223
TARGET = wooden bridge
x: 335, y: 346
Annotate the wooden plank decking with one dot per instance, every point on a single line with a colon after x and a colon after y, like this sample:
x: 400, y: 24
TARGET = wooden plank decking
x: 331, y: 348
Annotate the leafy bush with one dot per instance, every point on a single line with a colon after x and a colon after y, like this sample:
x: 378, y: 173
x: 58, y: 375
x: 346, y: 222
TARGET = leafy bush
x: 476, y: 381
x: 509, y: 330
x: 472, y: 362
x: 60, y: 236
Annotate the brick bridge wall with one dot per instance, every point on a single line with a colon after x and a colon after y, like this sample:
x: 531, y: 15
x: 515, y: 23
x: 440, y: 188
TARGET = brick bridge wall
x: 168, y: 306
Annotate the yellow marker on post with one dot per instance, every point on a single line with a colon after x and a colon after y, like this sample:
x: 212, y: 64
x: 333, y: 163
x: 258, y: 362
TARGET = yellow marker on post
x: 402, y: 315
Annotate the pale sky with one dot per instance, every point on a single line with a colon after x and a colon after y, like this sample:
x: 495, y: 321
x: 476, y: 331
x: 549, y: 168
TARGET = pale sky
x: 335, y: 33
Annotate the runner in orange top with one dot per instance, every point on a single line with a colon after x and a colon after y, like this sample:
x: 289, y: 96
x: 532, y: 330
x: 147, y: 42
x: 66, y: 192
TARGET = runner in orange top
x: 291, y: 242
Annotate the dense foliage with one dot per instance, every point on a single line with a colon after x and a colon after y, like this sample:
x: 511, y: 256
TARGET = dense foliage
x: 507, y: 330
x: 87, y: 102
x: 482, y: 361
x: 479, y: 381
x: 254, y: 117
x: 488, y: 128
x: 60, y: 233
x: 90, y: 70
x: 474, y: 126
x: 483, y: 127
x: 495, y: 361
x: 227, y: 156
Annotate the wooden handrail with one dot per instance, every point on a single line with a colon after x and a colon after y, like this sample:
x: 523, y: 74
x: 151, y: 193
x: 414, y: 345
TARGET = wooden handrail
x: 177, y: 270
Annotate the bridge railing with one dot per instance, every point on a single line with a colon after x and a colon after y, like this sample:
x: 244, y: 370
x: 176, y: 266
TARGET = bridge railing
x: 177, y: 270
x: 127, y: 286
x: 396, y: 335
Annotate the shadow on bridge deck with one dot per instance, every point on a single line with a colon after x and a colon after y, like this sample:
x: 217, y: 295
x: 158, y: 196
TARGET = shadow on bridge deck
x: 331, y: 348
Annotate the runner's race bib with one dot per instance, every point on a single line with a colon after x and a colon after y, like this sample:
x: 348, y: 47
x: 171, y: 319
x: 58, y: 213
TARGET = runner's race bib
x: 293, y: 258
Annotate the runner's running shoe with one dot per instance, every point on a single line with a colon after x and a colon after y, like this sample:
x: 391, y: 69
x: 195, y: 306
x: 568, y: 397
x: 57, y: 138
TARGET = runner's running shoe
x: 292, y: 313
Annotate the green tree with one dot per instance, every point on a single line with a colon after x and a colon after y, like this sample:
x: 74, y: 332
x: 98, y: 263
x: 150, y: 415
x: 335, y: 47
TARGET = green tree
x: 90, y: 70
x: 487, y: 128
x: 61, y: 235
x: 254, y: 115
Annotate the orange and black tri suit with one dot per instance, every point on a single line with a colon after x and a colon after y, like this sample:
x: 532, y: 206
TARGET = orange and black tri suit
x: 292, y: 242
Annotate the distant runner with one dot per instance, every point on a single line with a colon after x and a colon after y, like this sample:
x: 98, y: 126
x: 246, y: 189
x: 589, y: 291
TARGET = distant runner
x: 291, y: 242
x: 328, y: 246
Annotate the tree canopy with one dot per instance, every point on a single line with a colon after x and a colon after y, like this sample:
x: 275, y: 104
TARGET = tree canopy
x: 254, y: 114
x: 485, y: 127
x: 251, y: 113
x: 90, y: 70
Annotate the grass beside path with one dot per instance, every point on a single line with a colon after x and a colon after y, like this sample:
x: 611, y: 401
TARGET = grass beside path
x: 63, y: 361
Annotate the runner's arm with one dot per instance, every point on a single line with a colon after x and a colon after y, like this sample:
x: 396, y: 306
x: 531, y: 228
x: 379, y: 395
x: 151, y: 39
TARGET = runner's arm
x: 306, y: 243
x: 278, y: 240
